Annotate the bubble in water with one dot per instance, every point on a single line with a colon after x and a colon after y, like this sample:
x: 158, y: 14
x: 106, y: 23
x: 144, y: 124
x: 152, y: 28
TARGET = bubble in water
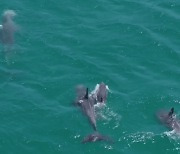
x: 109, y: 147
x: 77, y: 136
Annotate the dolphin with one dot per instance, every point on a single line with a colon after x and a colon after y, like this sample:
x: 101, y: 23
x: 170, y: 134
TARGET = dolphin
x: 8, y: 28
x: 100, y: 93
x: 169, y: 119
x: 87, y: 106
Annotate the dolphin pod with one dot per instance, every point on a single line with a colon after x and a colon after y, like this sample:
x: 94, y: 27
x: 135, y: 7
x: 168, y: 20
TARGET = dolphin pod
x: 87, y: 103
x: 84, y: 100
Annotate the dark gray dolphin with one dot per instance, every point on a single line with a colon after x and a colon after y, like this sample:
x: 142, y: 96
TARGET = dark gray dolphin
x: 8, y: 28
x: 87, y: 106
x: 169, y: 119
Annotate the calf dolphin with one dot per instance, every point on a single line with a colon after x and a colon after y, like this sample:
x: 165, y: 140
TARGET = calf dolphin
x: 169, y: 119
x: 8, y: 28
x: 100, y: 93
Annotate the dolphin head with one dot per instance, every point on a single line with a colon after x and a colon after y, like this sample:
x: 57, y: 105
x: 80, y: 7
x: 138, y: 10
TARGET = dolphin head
x: 8, y: 15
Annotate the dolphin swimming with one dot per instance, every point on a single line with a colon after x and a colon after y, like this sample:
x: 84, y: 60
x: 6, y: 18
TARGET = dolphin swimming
x: 169, y: 119
x: 87, y: 105
x: 100, y: 93
x: 8, y: 28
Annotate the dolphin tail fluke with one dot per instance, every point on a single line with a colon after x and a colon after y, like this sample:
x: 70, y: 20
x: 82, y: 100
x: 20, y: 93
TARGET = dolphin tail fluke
x: 96, y: 137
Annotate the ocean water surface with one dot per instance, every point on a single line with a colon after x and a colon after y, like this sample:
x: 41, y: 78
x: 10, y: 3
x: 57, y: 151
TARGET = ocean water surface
x: 131, y: 45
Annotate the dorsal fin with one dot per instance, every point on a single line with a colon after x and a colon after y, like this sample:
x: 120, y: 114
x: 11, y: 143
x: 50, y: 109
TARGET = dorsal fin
x: 86, y: 96
x: 101, y: 99
x: 171, y: 111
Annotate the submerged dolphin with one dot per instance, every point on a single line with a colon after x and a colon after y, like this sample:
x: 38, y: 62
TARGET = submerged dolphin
x: 169, y: 119
x: 8, y: 28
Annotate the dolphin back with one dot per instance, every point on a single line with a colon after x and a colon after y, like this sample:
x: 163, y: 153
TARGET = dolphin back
x: 102, y: 93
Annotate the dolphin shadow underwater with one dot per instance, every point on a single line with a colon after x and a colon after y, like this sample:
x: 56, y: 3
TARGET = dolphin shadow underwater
x: 169, y: 119
x: 86, y: 103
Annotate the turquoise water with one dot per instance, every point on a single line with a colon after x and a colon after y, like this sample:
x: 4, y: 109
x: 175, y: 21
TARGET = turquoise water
x: 131, y: 45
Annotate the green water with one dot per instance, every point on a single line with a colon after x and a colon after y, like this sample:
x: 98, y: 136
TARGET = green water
x: 131, y: 45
